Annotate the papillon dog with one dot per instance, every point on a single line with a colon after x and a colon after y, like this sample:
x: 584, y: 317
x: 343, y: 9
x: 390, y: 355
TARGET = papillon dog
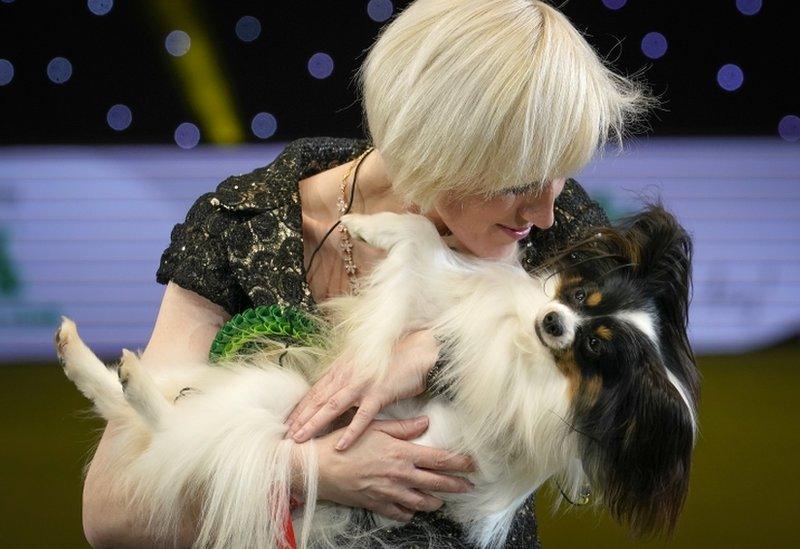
x: 580, y: 372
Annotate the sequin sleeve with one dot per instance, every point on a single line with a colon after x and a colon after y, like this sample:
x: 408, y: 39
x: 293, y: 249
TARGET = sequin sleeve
x: 197, y: 257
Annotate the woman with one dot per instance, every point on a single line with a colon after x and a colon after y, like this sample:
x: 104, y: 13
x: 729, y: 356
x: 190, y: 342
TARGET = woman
x: 478, y: 111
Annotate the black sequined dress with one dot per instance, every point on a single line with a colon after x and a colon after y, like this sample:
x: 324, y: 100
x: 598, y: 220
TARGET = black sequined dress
x: 241, y: 246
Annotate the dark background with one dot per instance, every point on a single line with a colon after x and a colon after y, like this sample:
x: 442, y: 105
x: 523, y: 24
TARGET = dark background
x: 744, y: 479
x: 120, y: 58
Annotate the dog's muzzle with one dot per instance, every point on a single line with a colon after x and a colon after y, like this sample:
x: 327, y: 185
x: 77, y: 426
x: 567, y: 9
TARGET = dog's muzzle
x: 556, y: 326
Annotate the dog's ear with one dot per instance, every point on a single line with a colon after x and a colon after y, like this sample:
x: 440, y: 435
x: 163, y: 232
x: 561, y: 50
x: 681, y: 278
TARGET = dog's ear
x: 660, y: 253
x: 640, y: 452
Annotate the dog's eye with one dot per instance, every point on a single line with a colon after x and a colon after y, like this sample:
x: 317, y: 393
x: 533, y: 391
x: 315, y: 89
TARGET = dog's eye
x: 593, y: 345
x: 579, y: 295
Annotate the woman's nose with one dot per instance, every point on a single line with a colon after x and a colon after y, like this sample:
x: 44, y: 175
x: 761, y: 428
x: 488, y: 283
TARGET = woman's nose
x: 539, y: 211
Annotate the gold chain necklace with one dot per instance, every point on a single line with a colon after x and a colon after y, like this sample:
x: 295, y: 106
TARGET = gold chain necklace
x: 345, y: 244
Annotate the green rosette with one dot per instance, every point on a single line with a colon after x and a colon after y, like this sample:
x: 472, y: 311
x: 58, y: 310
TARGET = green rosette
x: 241, y: 333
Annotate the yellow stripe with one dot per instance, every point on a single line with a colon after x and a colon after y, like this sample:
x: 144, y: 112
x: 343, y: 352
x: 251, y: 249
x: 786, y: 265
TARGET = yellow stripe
x: 200, y: 73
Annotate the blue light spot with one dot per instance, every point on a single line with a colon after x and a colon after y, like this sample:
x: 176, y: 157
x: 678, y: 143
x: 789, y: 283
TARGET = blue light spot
x: 654, y: 45
x: 789, y: 128
x: 614, y: 4
x: 6, y: 72
x: 380, y: 10
x: 59, y: 70
x: 7, y: 1
x: 119, y: 117
x: 730, y: 77
x: 320, y: 65
x: 748, y: 7
x: 100, y: 7
x: 264, y: 125
x: 248, y: 28
x: 178, y: 43
x: 187, y: 135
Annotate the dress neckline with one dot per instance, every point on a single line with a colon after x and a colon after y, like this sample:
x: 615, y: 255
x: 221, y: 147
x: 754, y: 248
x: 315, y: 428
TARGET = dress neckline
x: 327, y: 153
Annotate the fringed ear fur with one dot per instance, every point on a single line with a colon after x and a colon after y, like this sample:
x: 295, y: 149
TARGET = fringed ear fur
x: 660, y: 251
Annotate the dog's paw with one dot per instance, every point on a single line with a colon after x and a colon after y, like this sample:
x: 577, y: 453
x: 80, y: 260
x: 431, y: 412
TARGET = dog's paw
x: 127, y: 368
x: 381, y: 230
x: 355, y: 225
x: 66, y: 334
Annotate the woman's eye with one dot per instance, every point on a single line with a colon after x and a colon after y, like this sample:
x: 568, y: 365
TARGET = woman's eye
x: 519, y: 190
x: 523, y: 190
x: 579, y: 295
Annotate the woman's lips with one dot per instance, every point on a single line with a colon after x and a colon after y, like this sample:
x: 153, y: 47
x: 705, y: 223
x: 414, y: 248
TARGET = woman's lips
x: 515, y: 234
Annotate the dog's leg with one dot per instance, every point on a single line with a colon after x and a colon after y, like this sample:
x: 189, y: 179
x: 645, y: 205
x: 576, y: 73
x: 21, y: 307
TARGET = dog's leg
x: 384, y: 230
x: 140, y: 390
x: 97, y: 382
x: 395, y: 299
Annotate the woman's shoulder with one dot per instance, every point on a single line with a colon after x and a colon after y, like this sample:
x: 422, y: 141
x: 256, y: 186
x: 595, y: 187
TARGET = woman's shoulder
x: 241, y: 245
x: 275, y: 185
x: 575, y: 215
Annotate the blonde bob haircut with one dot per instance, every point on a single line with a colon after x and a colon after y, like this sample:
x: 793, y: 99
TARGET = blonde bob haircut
x: 474, y: 97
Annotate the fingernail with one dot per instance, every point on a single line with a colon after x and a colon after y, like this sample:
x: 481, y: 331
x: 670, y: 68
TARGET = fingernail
x: 421, y: 420
x: 299, y: 434
x: 341, y: 444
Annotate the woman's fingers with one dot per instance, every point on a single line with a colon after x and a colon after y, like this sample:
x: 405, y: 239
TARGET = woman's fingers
x: 315, y: 399
x: 429, y: 481
x: 361, y: 420
x: 333, y: 407
x: 402, y: 428
x: 393, y: 511
x: 415, y: 500
x: 441, y: 460
x: 313, y: 395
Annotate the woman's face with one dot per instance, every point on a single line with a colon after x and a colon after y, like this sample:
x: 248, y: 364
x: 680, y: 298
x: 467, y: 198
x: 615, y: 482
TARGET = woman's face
x: 476, y: 223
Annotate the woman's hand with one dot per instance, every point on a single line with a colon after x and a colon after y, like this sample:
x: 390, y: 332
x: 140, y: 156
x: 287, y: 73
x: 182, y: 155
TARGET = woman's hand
x: 396, y: 484
x: 336, y: 392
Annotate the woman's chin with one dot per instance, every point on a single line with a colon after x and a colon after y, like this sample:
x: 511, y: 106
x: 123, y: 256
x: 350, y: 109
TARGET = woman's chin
x: 494, y: 252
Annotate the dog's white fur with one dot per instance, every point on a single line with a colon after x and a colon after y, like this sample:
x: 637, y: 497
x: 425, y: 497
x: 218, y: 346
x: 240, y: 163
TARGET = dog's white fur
x: 217, y: 455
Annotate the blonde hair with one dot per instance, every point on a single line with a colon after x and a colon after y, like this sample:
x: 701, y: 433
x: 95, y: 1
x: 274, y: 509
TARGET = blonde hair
x: 473, y: 97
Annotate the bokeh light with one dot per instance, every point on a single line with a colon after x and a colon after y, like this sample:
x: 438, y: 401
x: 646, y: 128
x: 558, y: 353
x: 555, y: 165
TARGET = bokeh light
x: 119, y: 117
x: 6, y: 72
x: 748, y: 7
x: 654, y: 45
x: 264, y: 125
x: 789, y: 127
x: 99, y: 7
x: 320, y: 65
x: 730, y: 77
x: 248, y: 28
x: 177, y: 43
x: 614, y: 4
x: 187, y: 135
x: 7, y: 1
x: 59, y: 70
x: 380, y: 10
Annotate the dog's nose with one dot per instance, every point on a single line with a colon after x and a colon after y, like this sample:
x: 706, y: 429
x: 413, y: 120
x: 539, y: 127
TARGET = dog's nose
x: 553, y: 325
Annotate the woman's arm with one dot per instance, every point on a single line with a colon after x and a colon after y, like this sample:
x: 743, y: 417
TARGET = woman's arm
x: 185, y: 327
x: 383, y: 472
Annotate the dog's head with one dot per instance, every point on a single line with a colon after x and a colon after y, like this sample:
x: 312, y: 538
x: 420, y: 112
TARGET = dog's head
x: 616, y: 328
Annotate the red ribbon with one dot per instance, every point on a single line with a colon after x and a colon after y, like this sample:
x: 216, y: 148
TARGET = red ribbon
x: 288, y: 527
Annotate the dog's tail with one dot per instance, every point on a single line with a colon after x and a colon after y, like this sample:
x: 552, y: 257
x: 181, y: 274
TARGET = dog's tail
x: 227, y: 464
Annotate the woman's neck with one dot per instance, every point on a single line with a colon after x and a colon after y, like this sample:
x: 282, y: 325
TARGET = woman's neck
x: 374, y: 192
